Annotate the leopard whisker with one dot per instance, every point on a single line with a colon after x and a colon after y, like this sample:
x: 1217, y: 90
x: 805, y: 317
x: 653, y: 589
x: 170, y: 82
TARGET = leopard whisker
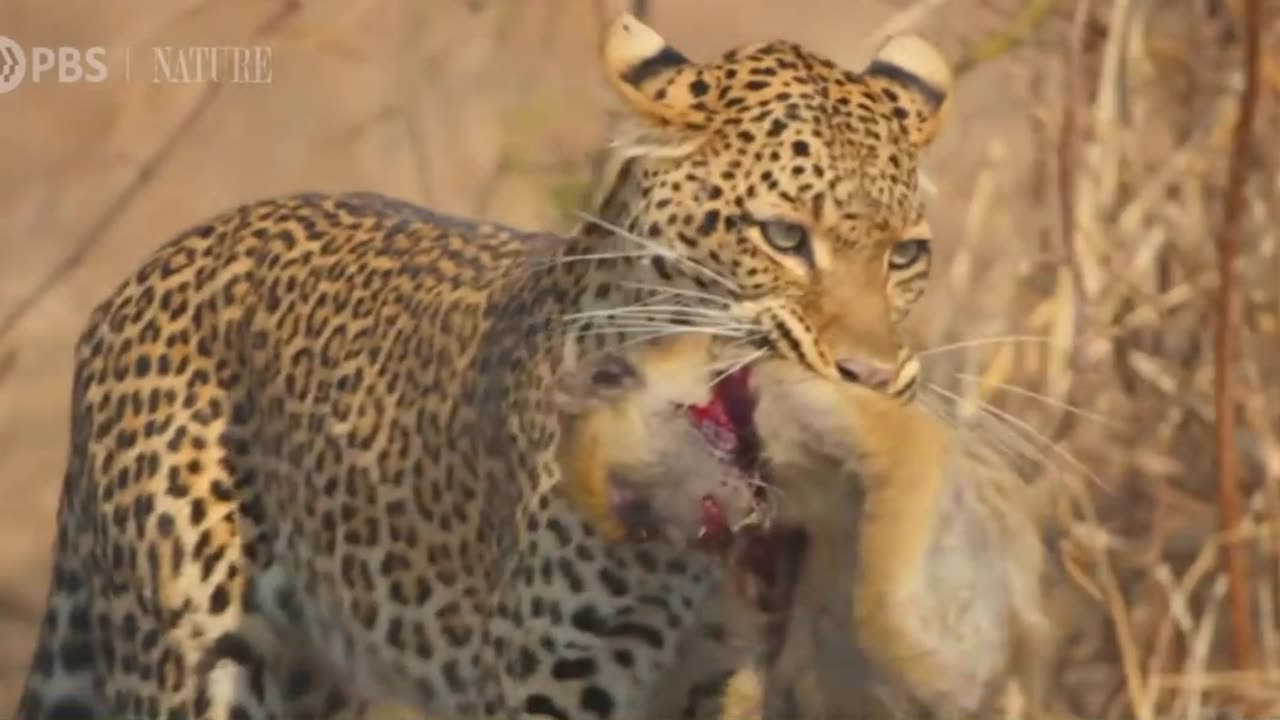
x: 673, y: 310
x: 1002, y: 436
x: 736, y: 366
x: 607, y: 319
x: 987, y: 428
x: 733, y: 360
x: 978, y: 342
x: 650, y: 335
x: 667, y: 289
x: 563, y: 259
x: 747, y: 339
x: 659, y: 250
x: 1026, y: 427
x: 657, y: 335
x: 1013, y: 444
x: 1053, y: 402
x: 664, y: 321
x: 667, y: 333
x: 664, y: 329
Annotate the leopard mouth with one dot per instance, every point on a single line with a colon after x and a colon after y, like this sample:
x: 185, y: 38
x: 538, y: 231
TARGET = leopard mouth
x: 727, y: 423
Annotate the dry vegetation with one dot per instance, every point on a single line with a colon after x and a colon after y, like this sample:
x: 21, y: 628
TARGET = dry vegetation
x: 1084, y: 188
x: 1171, y: 544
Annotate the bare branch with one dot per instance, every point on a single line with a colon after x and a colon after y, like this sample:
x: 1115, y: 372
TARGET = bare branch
x: 1024, y: 25
x: 1230, y: 496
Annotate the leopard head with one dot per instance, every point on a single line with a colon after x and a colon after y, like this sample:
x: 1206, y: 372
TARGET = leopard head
x: 787, y: 187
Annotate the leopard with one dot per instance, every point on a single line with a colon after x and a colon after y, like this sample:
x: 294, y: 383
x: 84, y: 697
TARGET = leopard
x: 922, y: 588
x: 621, y: 416
x: 314, y: 456
x: 625, y: 419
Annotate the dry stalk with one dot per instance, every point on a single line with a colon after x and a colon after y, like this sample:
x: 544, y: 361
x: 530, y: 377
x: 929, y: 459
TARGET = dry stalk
x: 8, y: 361
x: 1192, y: 697
x: 1144, y: 123
x: 1070, y: 283
x: 1024, y: 25
x: 1256, y: 417
x: 1230, y: 496
x: 1121, y: 618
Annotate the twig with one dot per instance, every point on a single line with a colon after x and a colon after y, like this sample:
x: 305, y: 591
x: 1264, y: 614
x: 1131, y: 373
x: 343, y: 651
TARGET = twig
x: 1257, y: 418
x: 1023, y: 26
x: 1067, y: 154
x: 1121, y: 617
x: 146, y: 172
x: 1230, y: 497
x: 8, y: 361
x: 1192, y: 696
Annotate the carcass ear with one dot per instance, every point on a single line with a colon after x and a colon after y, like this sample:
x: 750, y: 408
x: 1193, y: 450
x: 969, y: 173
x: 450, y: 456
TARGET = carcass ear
x: 922, y: 81
x: 657, y: 81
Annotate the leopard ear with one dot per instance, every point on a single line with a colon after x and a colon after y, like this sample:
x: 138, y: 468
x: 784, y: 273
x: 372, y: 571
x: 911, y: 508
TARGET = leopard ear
x: 922, y: 80
x: 656, y: 80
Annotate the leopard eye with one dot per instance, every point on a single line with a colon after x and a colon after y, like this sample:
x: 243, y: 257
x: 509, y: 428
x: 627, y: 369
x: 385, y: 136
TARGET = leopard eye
x: 906, y: 253
x: 787, y: 237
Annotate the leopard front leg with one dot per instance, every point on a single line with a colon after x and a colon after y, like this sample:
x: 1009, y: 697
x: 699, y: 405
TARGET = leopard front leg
x: 586, y: 628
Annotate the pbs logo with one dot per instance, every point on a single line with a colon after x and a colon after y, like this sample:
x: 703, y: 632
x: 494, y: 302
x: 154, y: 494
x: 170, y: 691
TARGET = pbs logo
x: 60, y: 64
x: 13, y: 64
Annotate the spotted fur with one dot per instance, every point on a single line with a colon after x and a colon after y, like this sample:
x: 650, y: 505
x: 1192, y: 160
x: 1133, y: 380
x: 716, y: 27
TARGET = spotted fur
x: 793, y: 180
x: 314, y: 444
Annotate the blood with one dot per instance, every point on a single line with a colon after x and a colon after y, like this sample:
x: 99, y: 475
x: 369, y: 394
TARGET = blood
x: 721, y: 421
x: 736, y: 403
x: 715, y: 531
x: 713, y: 413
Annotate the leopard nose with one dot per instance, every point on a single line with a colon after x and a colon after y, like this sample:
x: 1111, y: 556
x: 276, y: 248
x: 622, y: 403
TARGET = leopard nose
x: 870, y: 373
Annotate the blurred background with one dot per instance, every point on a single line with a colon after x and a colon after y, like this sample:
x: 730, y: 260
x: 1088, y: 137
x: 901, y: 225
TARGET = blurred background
x: 1091, y: 171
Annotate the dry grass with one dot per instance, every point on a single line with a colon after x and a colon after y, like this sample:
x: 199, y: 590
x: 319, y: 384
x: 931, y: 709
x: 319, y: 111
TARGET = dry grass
x: 1083, y: 186
x: 1178, y: 585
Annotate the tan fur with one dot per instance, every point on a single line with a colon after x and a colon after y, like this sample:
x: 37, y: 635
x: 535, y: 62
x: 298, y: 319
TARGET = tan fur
x: 602, y: 429
x: 946, y: 592
x: 744, y: 696
x: 637, y: 433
